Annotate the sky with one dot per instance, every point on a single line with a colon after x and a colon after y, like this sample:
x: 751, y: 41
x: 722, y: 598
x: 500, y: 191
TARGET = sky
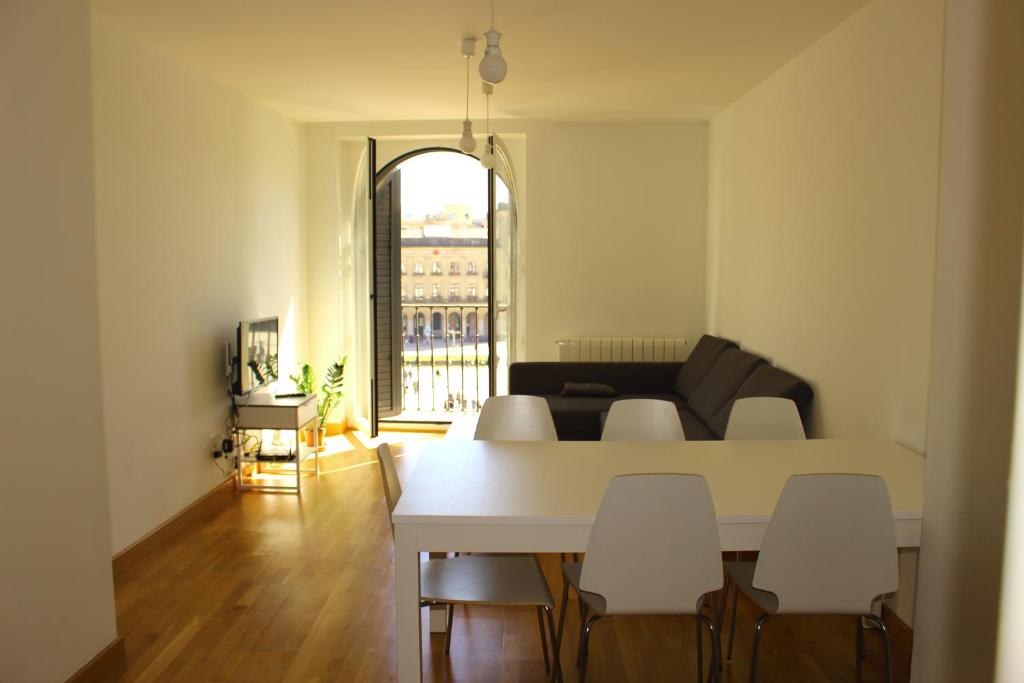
x: 429, y: 181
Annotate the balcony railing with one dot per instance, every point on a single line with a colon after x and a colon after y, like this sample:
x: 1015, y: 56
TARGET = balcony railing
x: 445, y: 358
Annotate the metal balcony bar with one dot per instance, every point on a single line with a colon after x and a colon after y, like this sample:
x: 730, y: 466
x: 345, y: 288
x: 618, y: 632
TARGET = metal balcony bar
x: 465, y: 358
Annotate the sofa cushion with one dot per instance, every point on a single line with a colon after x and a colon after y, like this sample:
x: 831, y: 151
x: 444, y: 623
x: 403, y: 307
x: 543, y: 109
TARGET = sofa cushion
x: 726, y: 376
x: 694, y: 427
x: 703, y: 356
x: 588, y: 389
x: 766, y: 380
x: 578, y: 418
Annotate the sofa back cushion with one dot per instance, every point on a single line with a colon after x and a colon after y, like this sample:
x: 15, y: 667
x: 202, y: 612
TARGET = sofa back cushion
x: 728, y: 373
x: 697, y: 366
x: 766, y: 380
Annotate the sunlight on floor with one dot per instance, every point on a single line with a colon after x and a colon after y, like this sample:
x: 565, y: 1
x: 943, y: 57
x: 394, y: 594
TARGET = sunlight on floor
x: 348, y: 451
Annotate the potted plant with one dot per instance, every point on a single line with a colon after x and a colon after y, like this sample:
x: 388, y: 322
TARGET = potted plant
x: 329, y: 398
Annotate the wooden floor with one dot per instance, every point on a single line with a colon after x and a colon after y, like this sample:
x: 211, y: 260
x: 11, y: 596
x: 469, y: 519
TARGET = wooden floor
x: 277, y: 588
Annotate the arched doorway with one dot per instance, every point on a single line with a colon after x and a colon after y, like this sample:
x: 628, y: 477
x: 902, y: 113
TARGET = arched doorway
x: 437, y: 218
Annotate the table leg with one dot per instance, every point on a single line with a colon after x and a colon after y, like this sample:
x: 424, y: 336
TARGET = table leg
x: 407, y: 604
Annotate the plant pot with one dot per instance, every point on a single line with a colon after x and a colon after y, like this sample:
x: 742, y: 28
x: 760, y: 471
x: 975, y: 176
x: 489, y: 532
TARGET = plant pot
x: 311, y: 435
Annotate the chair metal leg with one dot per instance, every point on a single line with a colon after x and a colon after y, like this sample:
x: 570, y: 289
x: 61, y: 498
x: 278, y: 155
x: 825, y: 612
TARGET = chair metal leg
x: 720, y: 616
x: 888, y: 645
x: 584, y: 610
x: 543, y: 638
x: 860, y: 647
x: 732, y: 627
x: 586, y: 646
x: 757, y: 647
x: 448, y: 630
x: 715, y: 672
x: 551, y: 632
x: 720, y: 619
x: 700, y: 650
x: 557, y: 673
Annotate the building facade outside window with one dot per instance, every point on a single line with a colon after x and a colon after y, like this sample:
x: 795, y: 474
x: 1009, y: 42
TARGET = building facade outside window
x: 471, y: 268
x: 435, y: 268
x: 417, y: 268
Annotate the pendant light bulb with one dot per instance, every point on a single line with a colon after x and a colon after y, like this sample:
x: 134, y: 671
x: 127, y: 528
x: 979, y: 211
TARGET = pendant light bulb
x: 467, y: 143
x: 493, y: 68
x: 487, y: 158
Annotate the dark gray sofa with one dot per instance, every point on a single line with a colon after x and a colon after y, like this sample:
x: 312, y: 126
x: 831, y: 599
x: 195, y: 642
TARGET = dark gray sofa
x: 703, y: 388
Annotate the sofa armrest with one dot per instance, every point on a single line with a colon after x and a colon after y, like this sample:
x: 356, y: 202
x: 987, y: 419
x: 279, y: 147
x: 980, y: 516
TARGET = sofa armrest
x: 546, y: 378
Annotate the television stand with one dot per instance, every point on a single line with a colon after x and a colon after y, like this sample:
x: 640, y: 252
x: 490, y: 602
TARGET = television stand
x: 266, y: 411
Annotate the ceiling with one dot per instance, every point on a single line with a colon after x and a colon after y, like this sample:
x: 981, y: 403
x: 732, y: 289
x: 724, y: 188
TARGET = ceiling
x: 586, y: 60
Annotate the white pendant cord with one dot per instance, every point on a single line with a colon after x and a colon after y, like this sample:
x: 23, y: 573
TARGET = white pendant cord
x: 467, y: 87
x: 492, y: 15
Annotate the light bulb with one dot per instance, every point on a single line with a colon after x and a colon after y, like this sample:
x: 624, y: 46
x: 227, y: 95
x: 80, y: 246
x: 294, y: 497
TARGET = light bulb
x: 487, y: 158
x: 467, y: 143
x: 493, y: 68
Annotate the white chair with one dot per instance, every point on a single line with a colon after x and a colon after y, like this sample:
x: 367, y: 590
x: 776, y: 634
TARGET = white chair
x: 830, y: 548
x: 475, y: 579
x: 653, y: 549
x: 515, y: 418
x: 643, y: 419
x: 764, y: 417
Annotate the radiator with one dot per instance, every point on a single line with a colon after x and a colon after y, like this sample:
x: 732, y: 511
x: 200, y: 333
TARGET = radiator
x: 622, y: 349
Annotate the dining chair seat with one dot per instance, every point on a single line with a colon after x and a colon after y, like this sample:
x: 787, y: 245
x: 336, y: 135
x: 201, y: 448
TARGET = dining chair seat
x: 485, y: 579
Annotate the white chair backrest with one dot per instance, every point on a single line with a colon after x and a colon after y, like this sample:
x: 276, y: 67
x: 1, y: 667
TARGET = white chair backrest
x: 830, y: 547
x: 764, y: 417
x: 515, y: 418
x: 654, y: 545
x: 643, y: 419
x: 389, y: 479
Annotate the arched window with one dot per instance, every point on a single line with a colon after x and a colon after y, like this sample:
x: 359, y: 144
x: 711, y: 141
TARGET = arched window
x: 437, y: 325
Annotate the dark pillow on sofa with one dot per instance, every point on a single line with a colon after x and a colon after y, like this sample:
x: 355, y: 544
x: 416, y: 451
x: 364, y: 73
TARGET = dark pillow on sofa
x: 726, y: 376
x: 703, y: 356
x: 588, y: 389
x: 765, y: 380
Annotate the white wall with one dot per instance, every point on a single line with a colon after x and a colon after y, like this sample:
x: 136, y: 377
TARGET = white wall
x: 822, y: 221
x: 975, y: 350
x: 617, y: 242
x: 200, y: 222
x: 56, y: 591
x: 612, y: 223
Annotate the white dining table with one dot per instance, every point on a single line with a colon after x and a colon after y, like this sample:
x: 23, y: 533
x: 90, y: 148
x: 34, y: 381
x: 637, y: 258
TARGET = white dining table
x: 499, y: 496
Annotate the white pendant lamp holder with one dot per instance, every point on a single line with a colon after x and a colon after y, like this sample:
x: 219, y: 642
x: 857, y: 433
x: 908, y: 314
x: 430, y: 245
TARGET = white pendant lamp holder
x: 493, y: 67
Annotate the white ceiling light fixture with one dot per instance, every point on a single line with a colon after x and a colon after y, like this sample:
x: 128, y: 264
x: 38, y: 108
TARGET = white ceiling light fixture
x: 493, y: 67
x: 467, y: 143
x: 487, y: 158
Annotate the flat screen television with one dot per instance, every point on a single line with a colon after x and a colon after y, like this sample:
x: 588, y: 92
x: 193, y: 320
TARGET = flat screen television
x: 256, y: 362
